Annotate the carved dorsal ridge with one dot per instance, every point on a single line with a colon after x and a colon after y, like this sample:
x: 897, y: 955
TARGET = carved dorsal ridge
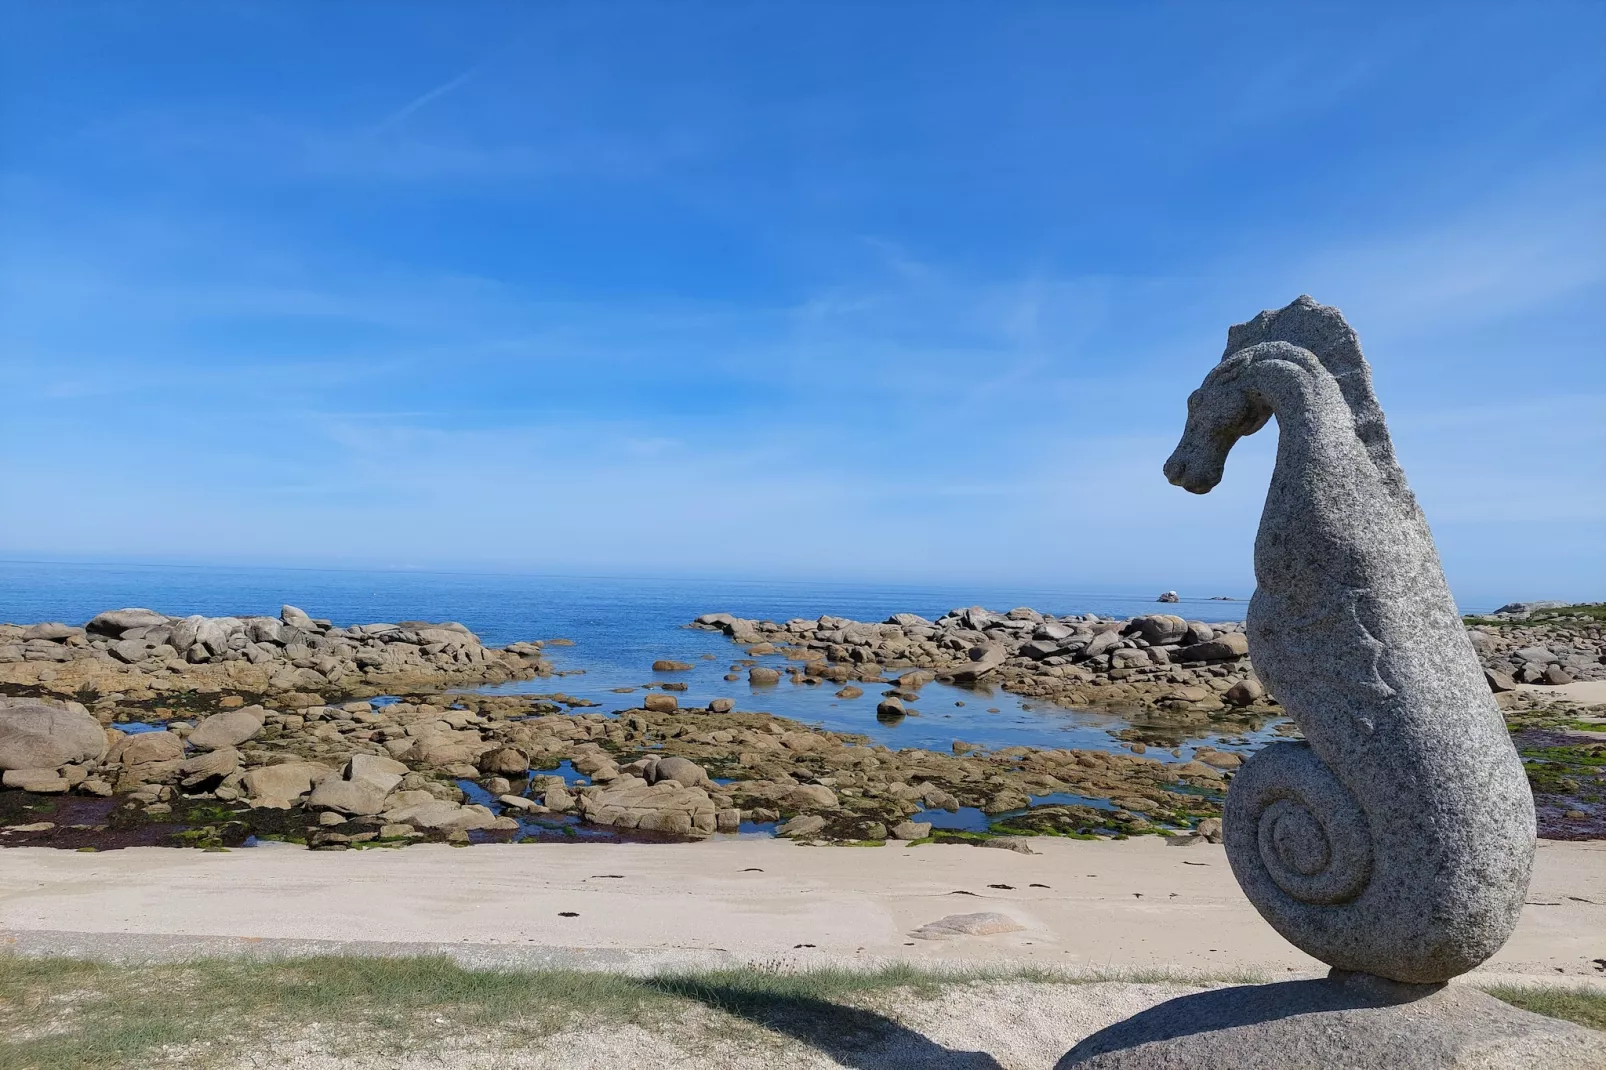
x: 1321, y: 329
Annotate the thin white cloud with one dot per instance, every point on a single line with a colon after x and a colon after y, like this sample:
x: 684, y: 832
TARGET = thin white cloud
x: 423, y: 100
x: 1536, y: 242
x: 919, y: 421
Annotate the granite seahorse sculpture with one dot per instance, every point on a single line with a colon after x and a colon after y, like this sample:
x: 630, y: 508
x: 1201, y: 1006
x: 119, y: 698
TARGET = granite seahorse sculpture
x: 1397, y: 839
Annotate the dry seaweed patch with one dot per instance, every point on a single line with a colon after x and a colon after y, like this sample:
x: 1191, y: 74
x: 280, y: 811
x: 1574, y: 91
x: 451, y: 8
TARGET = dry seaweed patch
x: 349, y: 1012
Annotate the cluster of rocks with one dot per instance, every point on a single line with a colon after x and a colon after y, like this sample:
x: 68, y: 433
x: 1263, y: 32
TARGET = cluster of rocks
x: 1559, y: 649
x: 652, y: 770
x: 1524, y: 610
x: 362, y: 772
x: 243, y: 753
x: 1185, y: 669
x: 233, y: 724
x: 140, y: 653
x: 1174, y: 668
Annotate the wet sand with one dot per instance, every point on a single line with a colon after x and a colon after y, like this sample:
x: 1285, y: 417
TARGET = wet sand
x: 1139, y: 904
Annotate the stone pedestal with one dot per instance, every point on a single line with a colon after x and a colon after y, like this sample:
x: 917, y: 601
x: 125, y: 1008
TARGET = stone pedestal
x: 1348, y: 1021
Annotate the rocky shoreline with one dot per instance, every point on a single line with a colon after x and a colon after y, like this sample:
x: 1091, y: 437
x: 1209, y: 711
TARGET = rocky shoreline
x: 139, y: 728
x: 1185, y: 671
x: 1156, y: 663
x: 140, y: 654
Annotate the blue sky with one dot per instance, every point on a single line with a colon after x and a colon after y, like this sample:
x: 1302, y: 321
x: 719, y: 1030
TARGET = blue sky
x: 901, y: 291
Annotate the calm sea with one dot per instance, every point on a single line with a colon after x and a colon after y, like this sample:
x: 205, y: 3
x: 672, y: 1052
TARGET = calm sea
x: 619, y: 627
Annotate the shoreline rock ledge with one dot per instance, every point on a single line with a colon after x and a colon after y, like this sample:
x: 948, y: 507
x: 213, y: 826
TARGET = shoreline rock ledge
x: 140, y: 651
x: 1395, y: 841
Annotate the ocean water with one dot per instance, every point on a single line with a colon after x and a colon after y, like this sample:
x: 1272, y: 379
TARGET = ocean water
x: 620, y: 626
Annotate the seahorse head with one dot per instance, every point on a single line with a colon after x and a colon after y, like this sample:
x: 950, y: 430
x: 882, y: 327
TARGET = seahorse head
x: 1224, y: 409
x: 1220, y: 412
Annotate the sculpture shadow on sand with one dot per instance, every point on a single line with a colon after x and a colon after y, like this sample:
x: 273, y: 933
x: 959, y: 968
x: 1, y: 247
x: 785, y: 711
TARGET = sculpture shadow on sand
x: 851, y: 1036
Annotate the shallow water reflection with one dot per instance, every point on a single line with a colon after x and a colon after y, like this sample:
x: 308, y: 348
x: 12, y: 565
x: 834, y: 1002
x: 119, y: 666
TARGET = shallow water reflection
x: 941, y: 715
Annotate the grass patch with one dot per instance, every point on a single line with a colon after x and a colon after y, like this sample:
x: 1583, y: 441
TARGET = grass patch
x: 1586, y: 1006
x: 1564, y: 615
x: 69, y: 1014
x: 65, y: 1014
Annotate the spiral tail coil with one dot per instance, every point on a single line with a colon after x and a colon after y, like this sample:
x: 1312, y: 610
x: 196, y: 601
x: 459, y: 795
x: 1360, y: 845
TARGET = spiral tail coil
x: 1296, y: 838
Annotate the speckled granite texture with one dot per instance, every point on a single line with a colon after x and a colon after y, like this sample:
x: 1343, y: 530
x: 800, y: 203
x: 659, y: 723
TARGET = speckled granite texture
x: 1398, y: 839
x: 1346, y: 1022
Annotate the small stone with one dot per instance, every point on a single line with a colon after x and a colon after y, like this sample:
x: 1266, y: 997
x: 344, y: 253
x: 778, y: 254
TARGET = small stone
x: 660, y: 704
x: 25, y: 779
x: 681, y: 770
x: 911, y: 830
x: 665, y: 665
x: 36, y: 826
x: 810, y: 797
x: 1499, y: 682
x: 801, y: 827
x: 1223, y: 648
x: 983, y: 924
x: 209, y: 766
x: 1244, y: 692
x: 505, y: 761
x: 227, y: 729
x: 1158, y: 628
x: 348, y: 796
x: 1018, y: 844
x: 518, y: 802
x: 721, y: 705
x: 1555, y: 674
x: 36, y: 736
x: 1219, y: 758
x: 915, y: 679
x: 279, y: 786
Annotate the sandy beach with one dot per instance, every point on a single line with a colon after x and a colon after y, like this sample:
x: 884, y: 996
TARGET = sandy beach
x: 1085, y: 905
x: 1588, y: 692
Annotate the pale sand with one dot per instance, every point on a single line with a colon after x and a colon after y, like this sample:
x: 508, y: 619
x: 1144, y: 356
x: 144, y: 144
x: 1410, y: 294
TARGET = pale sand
x: 1588, y: 692
x: 1133, y: 905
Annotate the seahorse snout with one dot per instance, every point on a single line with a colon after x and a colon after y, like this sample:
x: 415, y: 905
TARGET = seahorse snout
x: 1191, y: 474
